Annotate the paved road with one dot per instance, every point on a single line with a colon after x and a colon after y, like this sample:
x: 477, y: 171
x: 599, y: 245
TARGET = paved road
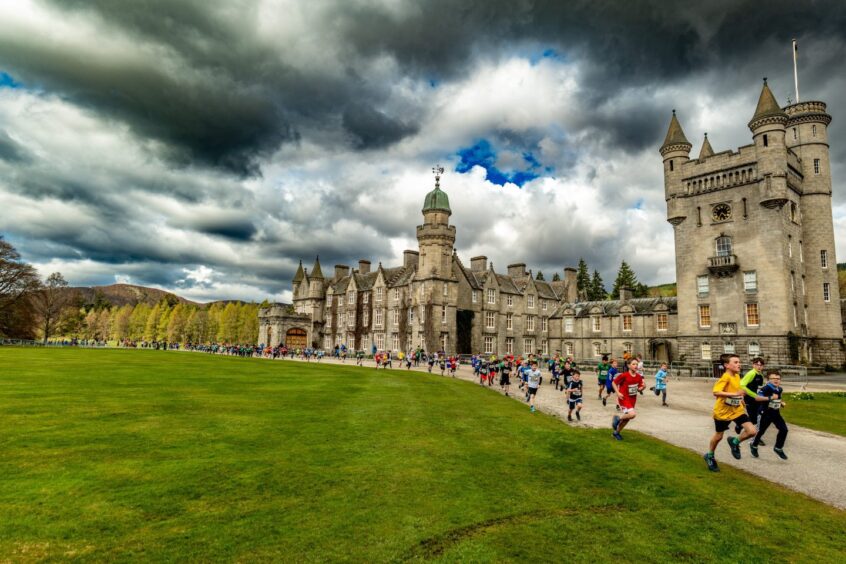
x: 816, y: 459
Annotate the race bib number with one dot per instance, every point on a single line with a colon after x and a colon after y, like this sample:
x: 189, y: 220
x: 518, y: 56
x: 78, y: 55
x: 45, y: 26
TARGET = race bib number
x: 734, y: 402
x: 484, y: 371
x: 632, y: 389
x: 575, y: 394
x: 774, y: 404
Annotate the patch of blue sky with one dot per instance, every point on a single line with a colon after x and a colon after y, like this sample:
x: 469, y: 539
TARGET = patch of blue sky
x: 7, y: 81
x: 537, y: 55
x: 638, y: 205
x: 483, y: 154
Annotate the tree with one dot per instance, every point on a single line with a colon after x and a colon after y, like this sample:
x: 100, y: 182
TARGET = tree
x: 583, y: 283
x: 626, y: 278
x: 49, y: 303
x: 539, y: 276
x: 18, y: 283
x: 556, y: 277
x: 597, y: 288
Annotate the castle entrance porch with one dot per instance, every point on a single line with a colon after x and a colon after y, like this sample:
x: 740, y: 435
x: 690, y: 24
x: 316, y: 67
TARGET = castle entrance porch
x: 296, y: 338
x: 464, y: 329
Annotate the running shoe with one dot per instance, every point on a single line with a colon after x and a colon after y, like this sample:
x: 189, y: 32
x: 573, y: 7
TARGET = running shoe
x: 712, y: 462
x: 533, y: 409
x: 754, y: 450
x: 569, y: 418
x: 604, y: 401
x: 762, y: 443
x: 578, y: 415
x: 734, y: 444
x: 614, y: 422
x: 737, y: 429
x: 617, y: 436
x: 780, y: 453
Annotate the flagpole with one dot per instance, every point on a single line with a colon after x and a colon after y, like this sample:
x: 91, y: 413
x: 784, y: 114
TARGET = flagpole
x: 795, y: 72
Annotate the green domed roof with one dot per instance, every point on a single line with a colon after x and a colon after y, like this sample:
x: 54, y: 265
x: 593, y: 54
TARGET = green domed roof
x: 436, y: 200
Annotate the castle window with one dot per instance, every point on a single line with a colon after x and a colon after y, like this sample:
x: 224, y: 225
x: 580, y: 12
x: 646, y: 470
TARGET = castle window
x: 410, y: 315
x: 745, y: 214
x: 794, y: 212
x: 597, y: 323
x: 597, y: 349
x: 814, y: 130
x: 395, y: 315
x: 627, y: 348
x: 795, y: 317
x: 803, y: 285
x: 544, y: 347
x: 380, y: 342
x: 350, y: 319
x: 396, y: 294
x: 509, y: 321
x: 328, y: 299
x: 795, y: 135
x: 824, y: 258
x: 705, y: 351
x: 446, y: 289
x: 702, y: 286
x: 490, y: 319
x: 568, y: 349
x: 340, y: 319
x: 544, y: 324
x: 377, y: 319
x: 366, y: 297
x: 475, y: 296
x: 568, y: 324
x: 509, y: 345
x: 530, y: 301
x: 728, y: 348
x: 790, y: 246
x: 765, y: 141
x: 395, y: 342
x: 752, y: 319
x: 754, y: 349
x: 661, y: 322
x: 509, y: 300
x: 489, y: 345
x: 351, y: 297
x: 816, y: 166
x: 723, y: 246
x: 530, y: 323
x: 826, y: 292
x: 491, y: 296
x: 365, y: 317
x: 528, y: 346
x: 378, y: 294
x: 443, y: 314
x: 801, y: 254
x: 705, y: 316
x: 671, y: 165
x: 543, y: 305
x: 627, y: 322
x: 422, y: 313
x: 750, y: 282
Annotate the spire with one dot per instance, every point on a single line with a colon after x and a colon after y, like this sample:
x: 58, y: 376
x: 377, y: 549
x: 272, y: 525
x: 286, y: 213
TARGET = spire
x: 298, y: 277
x: 767, y: 108
x: 675, y: 138
x: 437, y: 198
x: 315, y: 270
x: 706, y: 151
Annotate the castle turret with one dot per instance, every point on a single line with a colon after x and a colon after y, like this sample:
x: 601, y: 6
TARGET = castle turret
x: 768, y: 129
x: 436, y: 237
x: 316, y: 281
x: 298, y: 278
x: 676, y: 152
x: 706, y: 150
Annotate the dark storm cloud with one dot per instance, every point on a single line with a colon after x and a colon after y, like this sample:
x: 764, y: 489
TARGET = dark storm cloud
x: 10, y: 151
x: 373, y: 129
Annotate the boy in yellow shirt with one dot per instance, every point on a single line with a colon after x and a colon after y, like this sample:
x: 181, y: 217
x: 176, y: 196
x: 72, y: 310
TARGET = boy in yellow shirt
x: 729, y: 408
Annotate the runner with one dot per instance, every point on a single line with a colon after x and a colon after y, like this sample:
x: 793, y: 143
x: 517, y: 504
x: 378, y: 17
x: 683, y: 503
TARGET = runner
x: 574, y: 396
x: 442, y: 364
x: 602, y: 373
x: 751, y: 383
x: 533, y: 380
x: 453, y: 365
x: 609, y: 381
x: 484, y: 369
x: 556, y: 374
x: 627, y: 385
x: 771, y: 394
x: 431, y: 362
x: 505, y: 376
x: 567, y: 372
x: 660, y: 387
x: 408, y: 358
x: 728, y: 408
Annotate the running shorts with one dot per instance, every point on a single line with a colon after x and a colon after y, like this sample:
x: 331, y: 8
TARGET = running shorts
x: 572, y: 403
x: 723, y: 424
x: 533, y: 391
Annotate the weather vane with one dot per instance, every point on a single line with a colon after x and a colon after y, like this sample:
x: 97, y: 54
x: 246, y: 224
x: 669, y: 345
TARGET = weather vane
x: 437, y: 170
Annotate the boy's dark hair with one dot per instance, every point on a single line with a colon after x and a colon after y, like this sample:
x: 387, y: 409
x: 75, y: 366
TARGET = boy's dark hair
x: 773, y: 372
x: 605, y: 358
x: 757, y: 360
x: 576, y: 373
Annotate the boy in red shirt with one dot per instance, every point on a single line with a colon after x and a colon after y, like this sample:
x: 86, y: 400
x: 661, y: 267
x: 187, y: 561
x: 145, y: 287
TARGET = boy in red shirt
x: 627, y: 385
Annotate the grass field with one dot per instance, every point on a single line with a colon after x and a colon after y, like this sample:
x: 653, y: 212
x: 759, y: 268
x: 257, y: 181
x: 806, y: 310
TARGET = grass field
x: 175, y: 456
x: 826, y: 412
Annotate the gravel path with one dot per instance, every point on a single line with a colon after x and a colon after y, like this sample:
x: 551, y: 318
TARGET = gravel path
x: 815, y: 462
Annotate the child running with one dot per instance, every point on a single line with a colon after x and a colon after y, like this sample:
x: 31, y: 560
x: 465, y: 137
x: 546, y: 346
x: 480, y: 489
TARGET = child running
x: 574, y: 396
x: 533, y: 380
x: 505, y: 376
x: 729, y: 408
x: 660, y: 387
x: 627, y: 385
x: 602, y: 373
x: 609, y: 380
x: 772, y: 394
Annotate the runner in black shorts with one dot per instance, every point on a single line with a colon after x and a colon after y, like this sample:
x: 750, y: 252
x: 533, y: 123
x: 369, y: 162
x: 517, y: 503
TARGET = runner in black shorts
x: 505, y: 376
x: 574, y: 396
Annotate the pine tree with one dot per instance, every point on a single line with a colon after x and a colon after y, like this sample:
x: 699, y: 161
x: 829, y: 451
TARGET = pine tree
x: 626, y: 278
x: 596, y: 291
x: 539, y: 276
x: 583, y: 283
x: 556, y: 277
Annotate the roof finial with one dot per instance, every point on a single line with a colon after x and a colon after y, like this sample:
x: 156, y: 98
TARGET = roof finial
x: 765, y: 80
x: 706, y: 134
x: 674, y: 111
x: 437, y: 170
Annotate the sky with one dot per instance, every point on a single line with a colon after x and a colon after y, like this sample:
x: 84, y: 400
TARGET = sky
x: 205, y: 147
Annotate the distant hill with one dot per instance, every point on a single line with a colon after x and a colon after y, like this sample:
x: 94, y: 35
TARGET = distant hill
x: 663, y: 290
x: 126, y: 294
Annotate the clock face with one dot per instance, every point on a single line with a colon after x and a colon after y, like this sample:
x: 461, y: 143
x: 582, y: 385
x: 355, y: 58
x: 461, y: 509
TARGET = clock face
x: 721, y: 212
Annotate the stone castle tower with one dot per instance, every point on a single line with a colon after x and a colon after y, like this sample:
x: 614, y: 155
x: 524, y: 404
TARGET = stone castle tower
x: 754, y: 238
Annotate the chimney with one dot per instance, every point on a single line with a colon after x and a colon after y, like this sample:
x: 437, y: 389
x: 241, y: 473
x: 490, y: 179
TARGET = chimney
x: 364, y: 266
x: 517, y: 270
x: 410, y: 258
x: 625, y: 294
x: 341, y: 270
x: 571, y: 288
x: 479, y: 264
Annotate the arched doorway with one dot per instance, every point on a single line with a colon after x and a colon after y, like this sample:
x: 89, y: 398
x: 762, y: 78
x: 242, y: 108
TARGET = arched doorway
x: 660, y: 350
x: 296, y: 338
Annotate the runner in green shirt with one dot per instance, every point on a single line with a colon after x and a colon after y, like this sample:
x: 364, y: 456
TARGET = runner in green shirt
x: 602, y: 373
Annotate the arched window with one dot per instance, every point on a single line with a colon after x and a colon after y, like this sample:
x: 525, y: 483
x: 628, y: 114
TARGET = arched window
x: 723, y: 246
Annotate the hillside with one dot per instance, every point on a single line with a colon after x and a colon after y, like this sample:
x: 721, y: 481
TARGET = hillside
x: 126, y: 294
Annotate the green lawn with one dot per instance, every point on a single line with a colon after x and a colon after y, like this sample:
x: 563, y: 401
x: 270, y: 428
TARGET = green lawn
x: 161, y: 456
x: 826, y: 412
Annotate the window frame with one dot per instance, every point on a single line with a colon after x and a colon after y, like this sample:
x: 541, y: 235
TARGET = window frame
x: 658, y: 321
x: 704, y: 312
x: 699, y: 285
x: 752, y: 314
x: 754, y: 277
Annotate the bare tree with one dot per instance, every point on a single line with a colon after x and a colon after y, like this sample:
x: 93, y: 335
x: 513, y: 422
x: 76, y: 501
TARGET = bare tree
x: 50, y: 301
x: 18, y: 282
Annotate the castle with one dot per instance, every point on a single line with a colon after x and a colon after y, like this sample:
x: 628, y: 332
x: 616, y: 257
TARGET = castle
x: 755, y: 268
